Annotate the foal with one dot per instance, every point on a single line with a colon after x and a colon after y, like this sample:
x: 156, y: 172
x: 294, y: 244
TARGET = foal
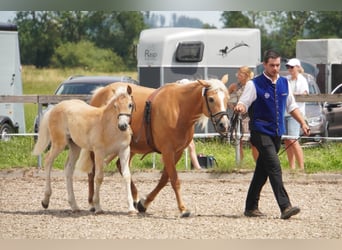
x: 105, y: 131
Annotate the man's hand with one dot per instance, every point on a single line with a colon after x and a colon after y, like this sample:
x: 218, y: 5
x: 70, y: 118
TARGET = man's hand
x: 300, y: 119
x: 306, y: 129
x: 240, y: 108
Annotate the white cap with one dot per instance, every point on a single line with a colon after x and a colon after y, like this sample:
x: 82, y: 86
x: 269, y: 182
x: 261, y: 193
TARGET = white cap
x: 293, y: 62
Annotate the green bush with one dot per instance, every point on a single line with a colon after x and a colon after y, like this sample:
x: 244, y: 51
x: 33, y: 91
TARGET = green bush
x: 86, y: 55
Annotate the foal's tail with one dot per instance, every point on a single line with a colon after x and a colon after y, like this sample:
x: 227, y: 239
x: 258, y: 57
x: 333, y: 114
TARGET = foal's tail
x: 84, y: 162
x: 43, y: 135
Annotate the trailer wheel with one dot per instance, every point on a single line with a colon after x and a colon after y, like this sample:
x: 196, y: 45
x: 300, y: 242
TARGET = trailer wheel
x: 5, y: 128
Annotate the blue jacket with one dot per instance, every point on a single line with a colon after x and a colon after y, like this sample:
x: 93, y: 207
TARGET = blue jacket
x: 268, y: 110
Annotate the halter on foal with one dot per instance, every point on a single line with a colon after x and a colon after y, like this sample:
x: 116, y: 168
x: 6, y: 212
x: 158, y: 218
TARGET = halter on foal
x: 174, y: 111
x: 105, y: 131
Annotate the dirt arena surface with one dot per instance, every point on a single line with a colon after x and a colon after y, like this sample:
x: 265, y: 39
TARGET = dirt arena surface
x: 215, y: 200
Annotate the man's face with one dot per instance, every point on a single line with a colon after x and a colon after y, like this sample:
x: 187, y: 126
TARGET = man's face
x: 272, y: 67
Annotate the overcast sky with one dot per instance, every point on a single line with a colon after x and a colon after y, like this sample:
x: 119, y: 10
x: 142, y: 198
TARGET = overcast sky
x: 6, y: 15
x: 210, y: 17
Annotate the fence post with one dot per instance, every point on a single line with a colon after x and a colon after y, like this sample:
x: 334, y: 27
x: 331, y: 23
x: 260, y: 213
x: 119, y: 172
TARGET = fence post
x: 40, y: 110
x: 238, y: 141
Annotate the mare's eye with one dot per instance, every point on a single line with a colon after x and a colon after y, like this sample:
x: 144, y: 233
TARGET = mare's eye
x: 211, y: 99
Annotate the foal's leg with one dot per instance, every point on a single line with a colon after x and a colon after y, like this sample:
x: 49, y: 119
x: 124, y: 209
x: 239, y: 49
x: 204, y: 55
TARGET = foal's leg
x: 134, y: 189
x: 55, y: 150
x: 124, y: 161
x: 69, y: 168
x: 99, y: 161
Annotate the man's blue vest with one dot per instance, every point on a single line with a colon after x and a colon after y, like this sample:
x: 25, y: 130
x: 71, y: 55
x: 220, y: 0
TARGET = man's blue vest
x: 267, y: 111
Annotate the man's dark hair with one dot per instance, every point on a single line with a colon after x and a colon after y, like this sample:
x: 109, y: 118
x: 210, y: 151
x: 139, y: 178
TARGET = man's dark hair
x: 270, y: 54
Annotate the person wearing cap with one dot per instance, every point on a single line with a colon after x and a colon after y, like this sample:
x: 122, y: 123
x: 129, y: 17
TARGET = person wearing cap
x: 299, y: 86
x: 267, y: 97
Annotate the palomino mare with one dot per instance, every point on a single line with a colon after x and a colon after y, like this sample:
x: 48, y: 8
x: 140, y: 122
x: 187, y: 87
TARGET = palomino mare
x: 105, y: 131
x: 174, y: 111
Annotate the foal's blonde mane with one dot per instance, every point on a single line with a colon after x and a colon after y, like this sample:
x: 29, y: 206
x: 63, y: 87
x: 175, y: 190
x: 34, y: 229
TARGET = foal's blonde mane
x: 116, y: 93
x: 119, y: 91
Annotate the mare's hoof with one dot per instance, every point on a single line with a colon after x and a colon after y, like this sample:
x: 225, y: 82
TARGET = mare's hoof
x: 141, y: 207
x: 99, y: 212
x: 45, y: 205
x: 185, y: 214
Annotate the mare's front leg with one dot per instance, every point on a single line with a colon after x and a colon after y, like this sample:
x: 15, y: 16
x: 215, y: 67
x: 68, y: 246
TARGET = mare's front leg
x: 99, y: 161
x: 91, y: 177
x: 69, y: 168
x: 126, y: 174
x: 170, y: 167
x: 169, y: 171
x: 144, y: 203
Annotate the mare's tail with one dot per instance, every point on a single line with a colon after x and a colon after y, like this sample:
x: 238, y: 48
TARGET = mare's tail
x: 84, y: 162
x: 43, y: 135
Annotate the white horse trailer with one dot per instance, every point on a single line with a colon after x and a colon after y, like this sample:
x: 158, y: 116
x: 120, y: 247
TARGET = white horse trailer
x: 171, y: 54
x: 326, y: 54
x: 12, y: 117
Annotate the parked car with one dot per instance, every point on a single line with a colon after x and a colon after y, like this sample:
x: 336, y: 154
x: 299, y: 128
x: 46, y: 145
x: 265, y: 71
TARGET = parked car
x: 333, y: 113
x: 83, y: 85
x: 314, y: 111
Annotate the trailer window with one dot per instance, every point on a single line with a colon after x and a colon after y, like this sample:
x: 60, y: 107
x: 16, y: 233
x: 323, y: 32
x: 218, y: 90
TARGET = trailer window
x: 189, y: 52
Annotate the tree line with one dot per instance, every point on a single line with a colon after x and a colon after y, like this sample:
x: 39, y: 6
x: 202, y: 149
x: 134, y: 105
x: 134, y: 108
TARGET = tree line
x: 106, y: 40
x: 281, y: 29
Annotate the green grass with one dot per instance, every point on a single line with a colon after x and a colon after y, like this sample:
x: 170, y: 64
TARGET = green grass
x: 17, y: 151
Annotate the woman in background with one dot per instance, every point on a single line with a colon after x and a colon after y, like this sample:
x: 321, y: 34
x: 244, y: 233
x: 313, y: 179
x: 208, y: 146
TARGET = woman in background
x: 243, y: 75
x: 299, y: 86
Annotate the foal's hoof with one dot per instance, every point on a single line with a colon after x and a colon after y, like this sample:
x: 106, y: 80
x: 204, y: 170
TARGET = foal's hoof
x: 141, y: 207
x: 45, y: 205
x: 132, y: 212
x: 135, y: 204
x: 185, y: 214
x: 92, y: 209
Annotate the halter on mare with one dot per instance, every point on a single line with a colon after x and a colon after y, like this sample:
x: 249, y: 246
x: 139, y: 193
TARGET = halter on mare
x: 215, y: 118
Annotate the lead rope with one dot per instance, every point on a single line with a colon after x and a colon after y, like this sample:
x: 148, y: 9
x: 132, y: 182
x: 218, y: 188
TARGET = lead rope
x: 234, y: 121
x: 290, y: 145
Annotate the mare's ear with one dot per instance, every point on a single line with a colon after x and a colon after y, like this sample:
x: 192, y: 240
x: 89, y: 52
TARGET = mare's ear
x: 129, y: 90
x: 113, y: 90
x: 225, y: 78
x: 204, y: 83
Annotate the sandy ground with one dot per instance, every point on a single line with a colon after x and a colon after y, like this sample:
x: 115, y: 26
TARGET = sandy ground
x: 216, y: 202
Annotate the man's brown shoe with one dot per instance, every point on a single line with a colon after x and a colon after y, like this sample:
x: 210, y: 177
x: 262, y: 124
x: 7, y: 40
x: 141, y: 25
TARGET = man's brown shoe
x: 253, y: 213
x: 289, y: 211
